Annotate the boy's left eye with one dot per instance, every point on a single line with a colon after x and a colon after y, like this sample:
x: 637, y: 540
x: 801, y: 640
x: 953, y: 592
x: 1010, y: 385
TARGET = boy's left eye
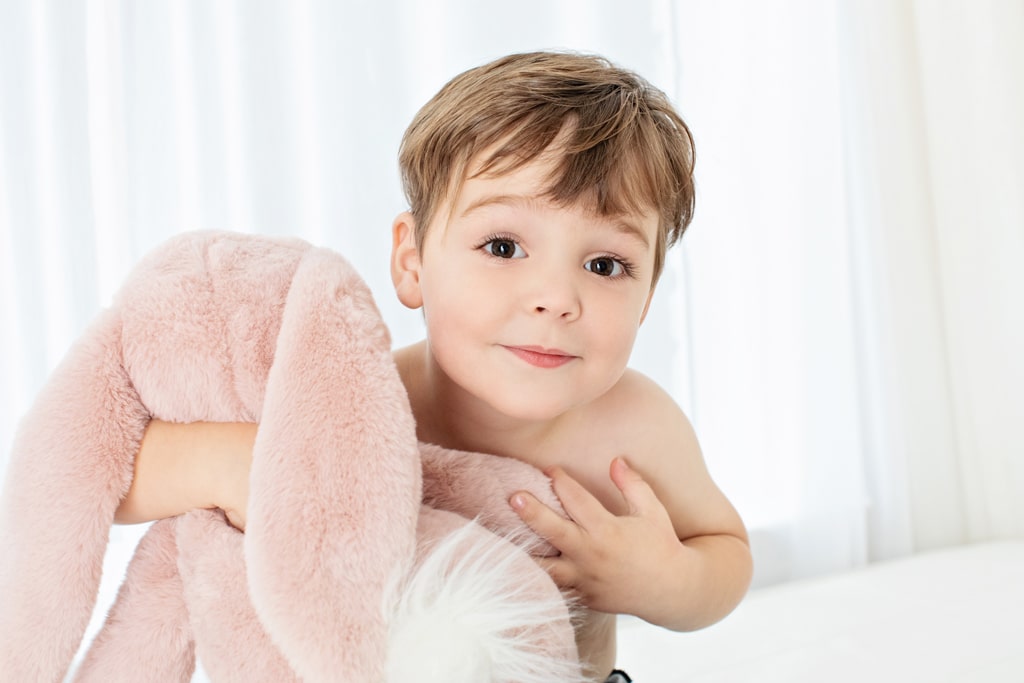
x: 605, y: 266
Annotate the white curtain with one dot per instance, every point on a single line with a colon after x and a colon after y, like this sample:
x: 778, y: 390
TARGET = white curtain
x: 843, y: 321
x: 853, y: 289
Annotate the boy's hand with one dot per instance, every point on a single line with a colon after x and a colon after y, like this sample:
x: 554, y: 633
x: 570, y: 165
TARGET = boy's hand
x: 235, y: 514
x: 615, y: 564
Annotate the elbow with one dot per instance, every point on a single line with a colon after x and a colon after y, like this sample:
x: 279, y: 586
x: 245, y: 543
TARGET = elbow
x: 722, y: 580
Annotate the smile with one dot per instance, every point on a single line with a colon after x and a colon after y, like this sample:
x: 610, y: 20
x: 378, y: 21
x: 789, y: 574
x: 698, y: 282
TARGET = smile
x: 541, y: 357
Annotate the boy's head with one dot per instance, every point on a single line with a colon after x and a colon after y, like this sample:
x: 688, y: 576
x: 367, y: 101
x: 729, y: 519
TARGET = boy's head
x: 623, y: 148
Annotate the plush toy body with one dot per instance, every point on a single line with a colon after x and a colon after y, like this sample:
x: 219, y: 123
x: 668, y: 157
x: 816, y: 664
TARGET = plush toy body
x: 358, y: 562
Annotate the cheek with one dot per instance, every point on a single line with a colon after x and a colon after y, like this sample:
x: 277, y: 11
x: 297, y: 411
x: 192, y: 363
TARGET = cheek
x: 621, y: 345
x: 453, y: 308
x: 613, y: 330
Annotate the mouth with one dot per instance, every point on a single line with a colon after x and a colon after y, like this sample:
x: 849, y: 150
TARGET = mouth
x: 541, y: 357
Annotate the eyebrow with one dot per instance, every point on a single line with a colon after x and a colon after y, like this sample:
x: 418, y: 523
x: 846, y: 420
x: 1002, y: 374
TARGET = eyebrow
x: 621, y: 225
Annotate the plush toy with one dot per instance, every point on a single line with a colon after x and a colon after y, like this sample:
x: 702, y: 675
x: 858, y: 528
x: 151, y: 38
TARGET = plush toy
x: 365, y: 556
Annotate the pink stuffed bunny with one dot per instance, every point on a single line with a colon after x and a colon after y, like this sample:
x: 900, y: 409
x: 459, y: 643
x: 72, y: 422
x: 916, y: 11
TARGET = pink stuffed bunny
x: 361, y: 560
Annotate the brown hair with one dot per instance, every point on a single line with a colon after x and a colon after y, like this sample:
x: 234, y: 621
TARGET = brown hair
x: 625, y: 148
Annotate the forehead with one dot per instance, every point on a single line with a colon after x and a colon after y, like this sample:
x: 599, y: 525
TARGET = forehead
x: 528, y: 187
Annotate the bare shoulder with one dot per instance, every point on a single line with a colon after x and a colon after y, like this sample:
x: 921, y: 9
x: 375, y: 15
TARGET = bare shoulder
x: 644, y: 415
x: 643, y: 423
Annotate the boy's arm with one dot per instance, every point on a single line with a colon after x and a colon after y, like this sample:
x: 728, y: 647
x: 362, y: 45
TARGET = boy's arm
x: 674, y: 552
x: 181, y: 467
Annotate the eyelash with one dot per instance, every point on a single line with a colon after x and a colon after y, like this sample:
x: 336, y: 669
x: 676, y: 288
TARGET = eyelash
x: 628, y: 269
x: 497, y: 237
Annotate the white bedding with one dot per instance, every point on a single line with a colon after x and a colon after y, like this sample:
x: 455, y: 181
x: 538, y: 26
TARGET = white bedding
x: 951, y: 615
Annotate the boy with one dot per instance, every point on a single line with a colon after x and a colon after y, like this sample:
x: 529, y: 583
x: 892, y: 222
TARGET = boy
x: 544, y: 189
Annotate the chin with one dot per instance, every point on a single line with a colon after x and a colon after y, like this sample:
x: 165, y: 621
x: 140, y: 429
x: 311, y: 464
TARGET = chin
x: 533, y: 409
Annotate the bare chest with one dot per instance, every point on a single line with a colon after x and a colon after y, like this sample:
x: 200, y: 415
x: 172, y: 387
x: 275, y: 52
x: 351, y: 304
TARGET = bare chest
x: 586, y: 455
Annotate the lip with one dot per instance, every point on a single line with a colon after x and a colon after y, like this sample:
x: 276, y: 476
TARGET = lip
x: 542, y: 357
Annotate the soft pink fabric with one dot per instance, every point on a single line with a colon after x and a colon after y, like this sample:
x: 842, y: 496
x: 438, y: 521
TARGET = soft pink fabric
x: 224, y: 327
x: 149, y: 620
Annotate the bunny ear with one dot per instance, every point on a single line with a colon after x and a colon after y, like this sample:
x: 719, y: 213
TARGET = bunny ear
x: 335, y: 483
x: 148, y: 626
x: 70, y: 464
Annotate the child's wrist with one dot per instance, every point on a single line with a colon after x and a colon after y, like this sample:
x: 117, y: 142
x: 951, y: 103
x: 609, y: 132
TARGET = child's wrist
x: 230, y: 462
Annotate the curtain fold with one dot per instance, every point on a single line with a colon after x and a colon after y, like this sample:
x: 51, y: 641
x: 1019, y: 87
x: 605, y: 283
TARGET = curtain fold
x: 904, y: 360
x: 842, y: 320
x: 972, y: 67
x: 935, y: 172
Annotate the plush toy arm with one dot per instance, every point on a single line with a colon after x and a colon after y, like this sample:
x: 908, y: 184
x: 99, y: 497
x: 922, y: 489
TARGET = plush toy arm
x: 147, y: 632
x: 478, y: 486
x: 70, y: 465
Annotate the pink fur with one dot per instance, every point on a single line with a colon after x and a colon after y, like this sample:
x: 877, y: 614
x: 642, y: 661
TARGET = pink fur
x: 149, y: 620
x: 470, y: 483
x: 70, y: 464
x: 229, y: 638
x: 223, y: 327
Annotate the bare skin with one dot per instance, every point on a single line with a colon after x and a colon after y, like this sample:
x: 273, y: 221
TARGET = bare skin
x: 182, y: 467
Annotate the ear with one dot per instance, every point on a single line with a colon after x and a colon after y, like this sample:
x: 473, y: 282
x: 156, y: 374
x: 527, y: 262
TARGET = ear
x: 405, y: 261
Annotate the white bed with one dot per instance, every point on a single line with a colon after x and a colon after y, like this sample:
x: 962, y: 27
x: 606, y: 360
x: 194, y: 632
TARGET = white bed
x: 950, y: 615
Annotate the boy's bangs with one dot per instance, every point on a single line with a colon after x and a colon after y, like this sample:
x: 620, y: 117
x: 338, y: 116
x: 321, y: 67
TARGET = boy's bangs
x: 614, y: 166
x: 615, y: 178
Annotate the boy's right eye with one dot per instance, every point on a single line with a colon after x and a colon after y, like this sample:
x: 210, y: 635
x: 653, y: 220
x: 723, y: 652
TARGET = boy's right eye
x: 503, y: 247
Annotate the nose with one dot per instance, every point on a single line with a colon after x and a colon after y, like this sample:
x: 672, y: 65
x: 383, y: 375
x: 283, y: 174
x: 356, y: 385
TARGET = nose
x: 556, y: 297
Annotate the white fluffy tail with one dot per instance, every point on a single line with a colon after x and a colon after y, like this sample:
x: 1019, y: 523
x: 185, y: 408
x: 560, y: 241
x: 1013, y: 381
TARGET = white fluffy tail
x: 479, y: 609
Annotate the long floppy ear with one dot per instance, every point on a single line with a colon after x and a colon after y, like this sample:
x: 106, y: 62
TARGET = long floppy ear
x: 405, y: 261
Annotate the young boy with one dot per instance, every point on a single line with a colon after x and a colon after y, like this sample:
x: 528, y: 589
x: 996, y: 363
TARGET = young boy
x: 544, y: 190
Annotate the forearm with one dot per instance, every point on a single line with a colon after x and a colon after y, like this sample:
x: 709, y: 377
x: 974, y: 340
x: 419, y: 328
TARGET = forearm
x: 706, y: 581
x: 180, y: 467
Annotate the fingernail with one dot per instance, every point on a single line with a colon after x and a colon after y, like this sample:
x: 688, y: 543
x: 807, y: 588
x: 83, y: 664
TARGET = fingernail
x: 518, y: 502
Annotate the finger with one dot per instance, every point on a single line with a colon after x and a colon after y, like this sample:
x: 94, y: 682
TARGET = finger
x: 546, y: 523
x: 638, y: 494
x: 579, y: 503
x: 561, y: 570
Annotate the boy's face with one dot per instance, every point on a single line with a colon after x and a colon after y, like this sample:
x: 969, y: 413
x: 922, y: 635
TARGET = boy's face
x: 529, y: 306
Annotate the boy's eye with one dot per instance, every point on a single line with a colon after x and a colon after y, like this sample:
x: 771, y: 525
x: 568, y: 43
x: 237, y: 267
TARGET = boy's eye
x: 605, y: 266
x: 505, y: 248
